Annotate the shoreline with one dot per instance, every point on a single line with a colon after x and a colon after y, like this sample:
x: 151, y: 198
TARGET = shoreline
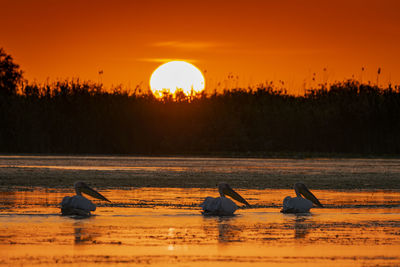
x: 11, y: 177
x: 194, y: 172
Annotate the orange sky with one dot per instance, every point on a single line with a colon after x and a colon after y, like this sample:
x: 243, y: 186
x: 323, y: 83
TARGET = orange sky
x: 256, y: 40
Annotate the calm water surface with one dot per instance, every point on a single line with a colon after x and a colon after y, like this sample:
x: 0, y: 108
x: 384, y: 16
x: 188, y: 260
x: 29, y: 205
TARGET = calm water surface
x: 164, y: 226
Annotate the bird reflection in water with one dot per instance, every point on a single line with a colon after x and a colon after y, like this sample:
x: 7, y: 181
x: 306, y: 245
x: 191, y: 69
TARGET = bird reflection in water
x: 228, y: 231
x: 82, y: 235
x: 302, y: 226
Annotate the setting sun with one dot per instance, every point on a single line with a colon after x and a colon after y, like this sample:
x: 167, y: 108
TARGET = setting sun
x: 176, y: 75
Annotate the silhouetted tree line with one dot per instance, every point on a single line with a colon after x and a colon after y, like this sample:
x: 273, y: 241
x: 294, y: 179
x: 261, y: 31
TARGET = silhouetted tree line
x: 81, y: 117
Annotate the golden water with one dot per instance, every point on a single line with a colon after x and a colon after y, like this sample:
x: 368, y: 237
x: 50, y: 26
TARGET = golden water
x: 164, y: 227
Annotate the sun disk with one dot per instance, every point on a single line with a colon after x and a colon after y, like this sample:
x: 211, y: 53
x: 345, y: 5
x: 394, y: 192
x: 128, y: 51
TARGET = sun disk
x: 176, y: 75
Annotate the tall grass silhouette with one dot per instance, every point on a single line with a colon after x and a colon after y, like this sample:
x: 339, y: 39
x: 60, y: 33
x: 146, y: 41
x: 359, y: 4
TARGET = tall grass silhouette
x: 82, y: 117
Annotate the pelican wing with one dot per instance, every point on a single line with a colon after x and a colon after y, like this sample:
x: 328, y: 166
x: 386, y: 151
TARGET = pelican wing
x: 219, y: 206
x: 77, y: 205
x: 296, y: 205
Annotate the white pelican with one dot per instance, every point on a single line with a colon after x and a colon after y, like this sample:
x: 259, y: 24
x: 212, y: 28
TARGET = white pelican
x: 78, y: 204
x: 299, y: 204
x: 222, y: 206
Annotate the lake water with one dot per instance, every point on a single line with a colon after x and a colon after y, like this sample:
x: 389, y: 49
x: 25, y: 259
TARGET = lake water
x: 158, y: 226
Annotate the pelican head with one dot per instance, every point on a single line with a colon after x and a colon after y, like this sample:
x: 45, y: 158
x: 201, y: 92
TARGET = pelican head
x: 225, y: 189
x: 81, y: 187
x: 302, y: 190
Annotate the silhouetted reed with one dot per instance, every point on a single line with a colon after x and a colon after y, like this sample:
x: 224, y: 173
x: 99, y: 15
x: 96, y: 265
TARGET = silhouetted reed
x: 83, y: 117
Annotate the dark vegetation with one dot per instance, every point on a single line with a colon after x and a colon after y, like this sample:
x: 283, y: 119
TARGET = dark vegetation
x: 81, y: 117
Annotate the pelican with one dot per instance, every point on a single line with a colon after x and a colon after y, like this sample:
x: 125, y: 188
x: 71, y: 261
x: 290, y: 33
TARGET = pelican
x: 78, y: 204
x: 299, y: 204
x: 222, y: 206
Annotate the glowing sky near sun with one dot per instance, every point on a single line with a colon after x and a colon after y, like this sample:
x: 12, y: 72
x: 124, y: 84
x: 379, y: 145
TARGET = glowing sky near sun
x: 248, y: 41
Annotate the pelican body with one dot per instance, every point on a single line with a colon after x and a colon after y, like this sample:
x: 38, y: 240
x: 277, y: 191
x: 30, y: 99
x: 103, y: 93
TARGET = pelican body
x: 222, y: 206
x: 299, y: 204
x: 78, y: 204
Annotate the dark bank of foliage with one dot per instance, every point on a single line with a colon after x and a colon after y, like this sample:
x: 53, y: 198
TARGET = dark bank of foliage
x: 80, y: 117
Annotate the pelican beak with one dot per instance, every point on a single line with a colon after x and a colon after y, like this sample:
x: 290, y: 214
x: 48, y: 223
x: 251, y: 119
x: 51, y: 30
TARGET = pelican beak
x: 230, y: 192
x: 91, y: 192
x: 310, y: 196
